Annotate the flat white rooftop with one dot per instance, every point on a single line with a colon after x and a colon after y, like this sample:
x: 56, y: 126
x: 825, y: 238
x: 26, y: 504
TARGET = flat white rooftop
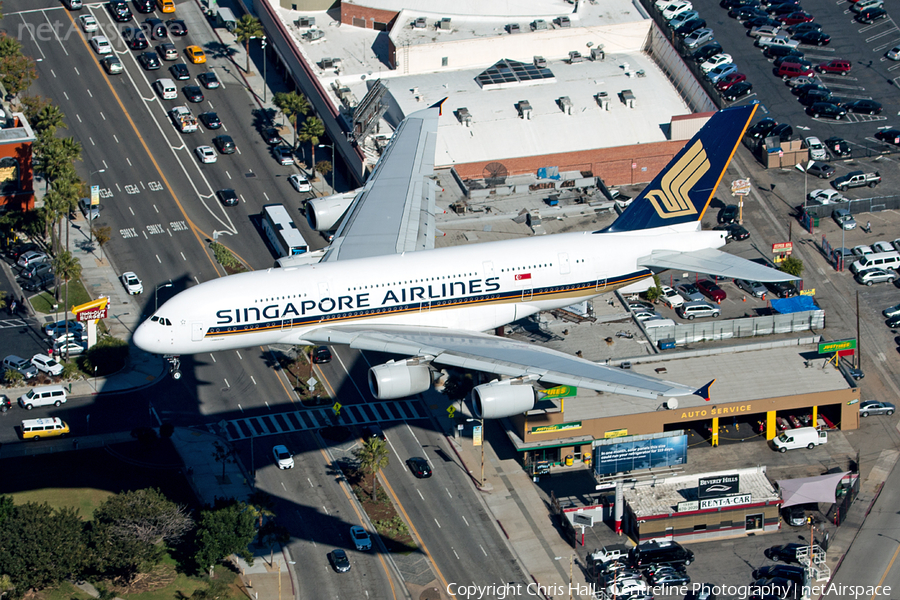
x: 497, y: 129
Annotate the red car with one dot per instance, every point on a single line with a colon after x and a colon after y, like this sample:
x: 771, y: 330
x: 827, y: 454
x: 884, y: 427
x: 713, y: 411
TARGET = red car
x: 836, y: 65
x: 729, y: 80
x: 795, y: 18
x: 711, y: 290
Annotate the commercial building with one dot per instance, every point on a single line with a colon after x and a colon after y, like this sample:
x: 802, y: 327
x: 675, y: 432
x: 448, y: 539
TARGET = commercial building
x: 763, y: 386
x: 16, y: 172
x: 558, y: 91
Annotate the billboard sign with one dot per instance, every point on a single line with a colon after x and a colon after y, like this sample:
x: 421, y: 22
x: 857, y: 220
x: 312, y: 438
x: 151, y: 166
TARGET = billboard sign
x: 718, y: 486
x: 640, y: 452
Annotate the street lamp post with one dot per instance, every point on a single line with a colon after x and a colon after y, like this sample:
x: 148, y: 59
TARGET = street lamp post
x: 156, y: 294
x: 264, y: 67
x: 332, y: 163
x: 90, y: 207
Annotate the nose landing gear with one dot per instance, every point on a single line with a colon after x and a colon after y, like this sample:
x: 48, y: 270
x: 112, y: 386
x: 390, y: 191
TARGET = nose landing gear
x: 174, y: 366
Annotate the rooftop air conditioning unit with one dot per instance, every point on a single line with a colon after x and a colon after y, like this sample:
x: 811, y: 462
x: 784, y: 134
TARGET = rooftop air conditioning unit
x: 306, y: 22
x: 327, y: 63
x: 314, y: 35
x: 575, y: 56
x: 539, y: 25
x: 564, y: 22
x: 540, y: 61
x: 525, y: 109
x: 597, y: 54
x: 565, y: 103
x: 419, y: 23
x: 444, y: 23
x: 464, y: 116
x: 513, y: 28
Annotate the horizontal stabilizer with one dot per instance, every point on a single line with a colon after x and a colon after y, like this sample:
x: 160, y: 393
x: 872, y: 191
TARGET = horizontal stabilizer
x: 714, y: 262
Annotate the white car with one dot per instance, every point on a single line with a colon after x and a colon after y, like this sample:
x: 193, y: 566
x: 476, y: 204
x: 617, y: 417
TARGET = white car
x: 47, y: 365
x: 764, y: 31
x: 862, y: 250
x: 826, y: 196
x: 715, y: 61
x: 88, y: 23
x: 646, y: 315
x: 894, y: 53
x: 361, y: 538
x: 132, y: 283
x: 882, y: 247
x: 816, y: 148
x: 803, y: 80
x: 206, y: 154
x: 101, y: 44
x: 300, y: 183
x: 670, y: 297
x: 676, y: 8
x: 70, y: 348
x: 283, y: 457
x: 627, y: 587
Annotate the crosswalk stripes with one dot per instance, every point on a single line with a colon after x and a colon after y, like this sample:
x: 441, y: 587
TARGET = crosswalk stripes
x: 319, y: 418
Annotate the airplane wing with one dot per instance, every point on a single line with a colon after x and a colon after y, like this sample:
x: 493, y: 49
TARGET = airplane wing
x: 501, y: 356
x: 714, y: 262
x: 394, y: 212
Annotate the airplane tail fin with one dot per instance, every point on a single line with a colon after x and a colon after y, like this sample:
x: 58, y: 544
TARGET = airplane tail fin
x: 704, y: 391
x: 682, y: 191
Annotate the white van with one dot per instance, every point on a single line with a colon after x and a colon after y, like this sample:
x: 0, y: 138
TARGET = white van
x: 166, y: 89
x: 802, y: 437
x: 877, y: 260
x: 43, y: 396
x: 655, y: 323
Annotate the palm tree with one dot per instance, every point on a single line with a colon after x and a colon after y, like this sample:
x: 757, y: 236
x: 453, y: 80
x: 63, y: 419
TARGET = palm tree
x: 312, y: 131
x: 57, y: 154
x: 67, y: 268
x: 247, y: 28
x: 373, y: 456
x: 49, y: 118
x: 261, y: 505
x: 55, y: 210
x: 293, y: 105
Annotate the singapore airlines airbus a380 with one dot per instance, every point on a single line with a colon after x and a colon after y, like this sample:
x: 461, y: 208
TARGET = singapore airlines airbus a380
x: 382, y: 286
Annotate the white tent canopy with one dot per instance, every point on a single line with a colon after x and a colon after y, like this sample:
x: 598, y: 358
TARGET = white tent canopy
x: 810, y: 489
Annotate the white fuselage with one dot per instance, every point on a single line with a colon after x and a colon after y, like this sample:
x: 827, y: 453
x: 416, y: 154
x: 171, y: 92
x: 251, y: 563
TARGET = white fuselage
x: 475, y: 288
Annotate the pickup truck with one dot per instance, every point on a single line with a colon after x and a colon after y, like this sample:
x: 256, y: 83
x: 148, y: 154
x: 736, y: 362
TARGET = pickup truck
x: 857, y: 179
x: 778, y: 40
x: 183, y: 119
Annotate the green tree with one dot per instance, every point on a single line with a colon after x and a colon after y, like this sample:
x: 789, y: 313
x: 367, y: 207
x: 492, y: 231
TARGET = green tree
x: 792, y: 266
x: 653, y: 293
x: 57, y: 155
x: 9, y: 46
x: 261, y: 505
x: 247, y: 28
x: 48, y: 118
x: 102, y: 234
x: 273, y: 534
x: 17, y: 73
x: 223, y: 454
x: 312, y: 131
x: 294, y: 106
x: 325, y: 167
x: 130, y: 530
x: 228, y: 528
x: 32, y: 105
x: 373, y: 456
x: 67, y: 268
x: 40, y: 546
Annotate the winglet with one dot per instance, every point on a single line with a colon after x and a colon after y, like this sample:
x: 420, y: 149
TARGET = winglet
x: 439, y: 105
x: 704, y: 391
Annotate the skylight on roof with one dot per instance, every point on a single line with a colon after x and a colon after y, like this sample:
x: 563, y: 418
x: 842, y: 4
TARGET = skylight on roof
x: 511, y: 72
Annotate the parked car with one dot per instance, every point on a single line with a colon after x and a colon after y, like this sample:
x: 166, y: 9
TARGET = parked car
x: 872, y: 276
x: 737, y: 91
x: 45, y: 364
x: 701, y: 36
x: 843, y: 218
x: 690, y: 292
x: 813, y: 38
x: 761, y: 129
x: 754, y: 288
x: 721, y: 71
x: 299, y: 182
x: 729, y: 80
x: 31, y: 257
x: 838, y: 146
x: 706, y: 51
x: 826, y: 109
x: 711, y: 290
x: 785, y: 552
x: 869, y: 107
x: 891, y: 311
x: 728, y: 214
x: 820, y: 170
x: 782, y: 289
x: 132, y: 283
x: 835, y: 65
x: 284, y: 155
x: 826, y: 196
x: 872, y: 14
x: 670, y: 297
x: 59, y: 328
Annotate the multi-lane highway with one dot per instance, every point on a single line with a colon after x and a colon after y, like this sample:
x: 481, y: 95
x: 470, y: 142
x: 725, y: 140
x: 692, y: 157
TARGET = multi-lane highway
x: 160, y: 203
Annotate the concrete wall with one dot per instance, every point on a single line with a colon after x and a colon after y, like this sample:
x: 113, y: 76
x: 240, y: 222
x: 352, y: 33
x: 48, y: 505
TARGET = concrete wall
x: 678, y: 72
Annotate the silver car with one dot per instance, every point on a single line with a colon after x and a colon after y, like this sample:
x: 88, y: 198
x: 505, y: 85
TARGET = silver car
x: 870, y: 276
x: 699, y: 37
x: 874, y: 407
x: 690, y: 292
x: 843, y: 218
x: 892, y: 311
x: 754, y: 288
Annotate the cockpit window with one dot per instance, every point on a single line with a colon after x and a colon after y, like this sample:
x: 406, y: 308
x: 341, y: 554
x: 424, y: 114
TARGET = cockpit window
x: 154, y: 318
x: 161, y: 320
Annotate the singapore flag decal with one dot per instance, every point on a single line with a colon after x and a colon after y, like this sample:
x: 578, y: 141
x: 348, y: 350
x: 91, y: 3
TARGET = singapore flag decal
x: 523, y: 276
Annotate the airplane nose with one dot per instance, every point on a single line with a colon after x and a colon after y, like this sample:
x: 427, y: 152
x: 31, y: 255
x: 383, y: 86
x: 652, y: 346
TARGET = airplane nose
x: 143, y: 338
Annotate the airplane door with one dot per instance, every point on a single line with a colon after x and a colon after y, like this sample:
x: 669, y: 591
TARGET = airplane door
x: 196, y: 332
x: 564, y: 263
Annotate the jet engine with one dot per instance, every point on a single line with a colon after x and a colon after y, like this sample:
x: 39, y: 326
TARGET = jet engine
x: 394, y: 380
x: 323, y: 213
x: 500, y: 399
